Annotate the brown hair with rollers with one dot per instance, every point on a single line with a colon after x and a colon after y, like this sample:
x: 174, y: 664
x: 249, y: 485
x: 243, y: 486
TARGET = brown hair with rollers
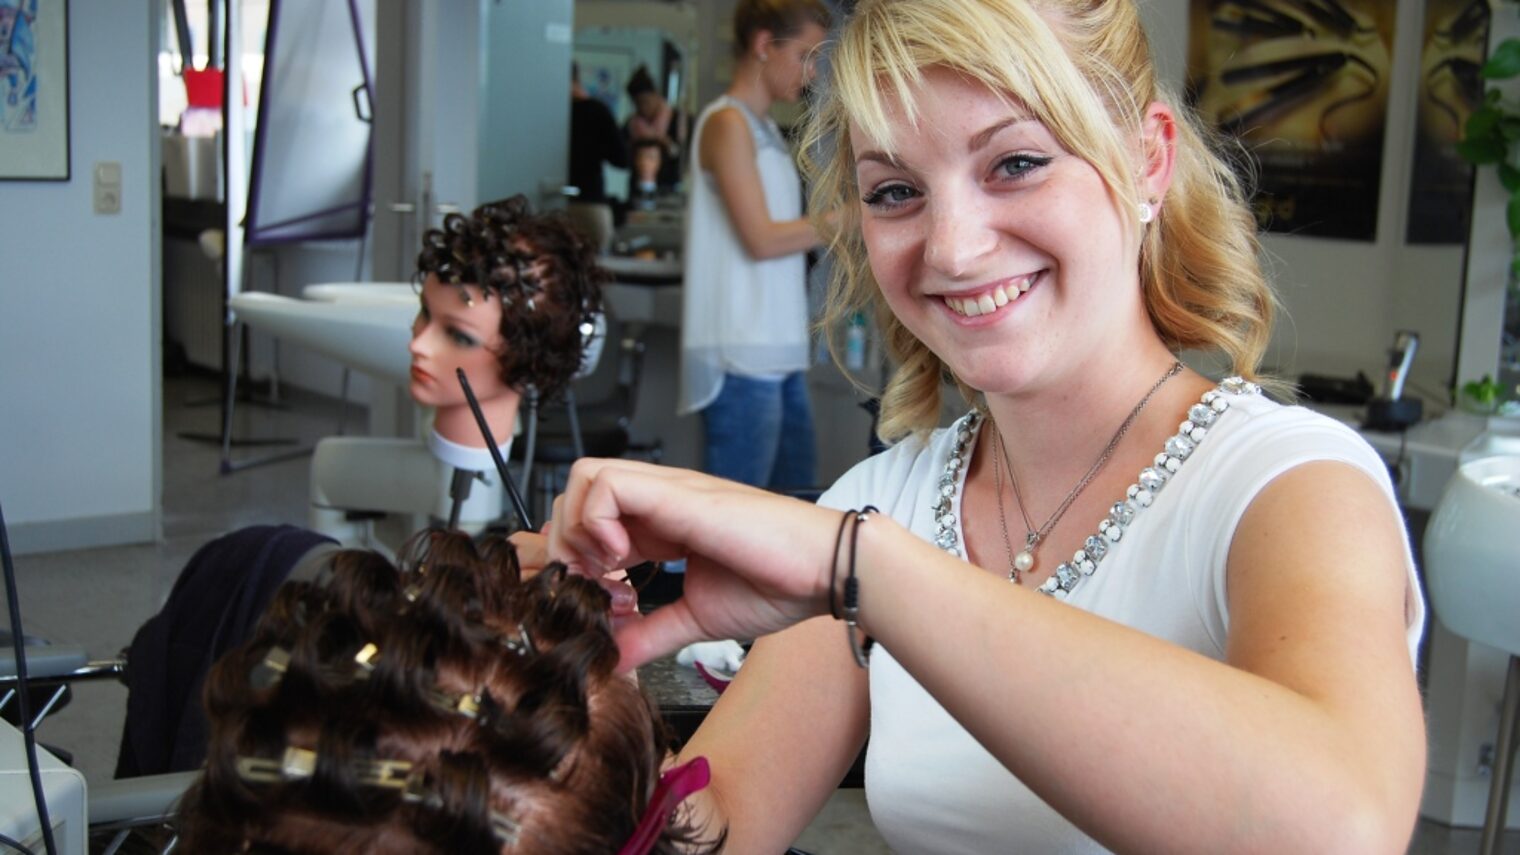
x: 377, y: 664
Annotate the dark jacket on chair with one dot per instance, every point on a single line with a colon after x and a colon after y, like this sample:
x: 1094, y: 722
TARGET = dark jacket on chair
x: 216, y: 601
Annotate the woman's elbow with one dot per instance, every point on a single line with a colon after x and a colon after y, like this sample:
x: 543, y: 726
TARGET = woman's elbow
x: 1372, y: 823
x: 758, y: 247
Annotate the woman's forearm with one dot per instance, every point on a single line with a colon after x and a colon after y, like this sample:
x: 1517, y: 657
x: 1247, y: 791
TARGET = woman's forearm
x: 1129, y: 736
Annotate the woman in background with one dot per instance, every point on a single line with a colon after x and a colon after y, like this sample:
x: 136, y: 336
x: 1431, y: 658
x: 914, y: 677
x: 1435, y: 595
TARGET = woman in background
x: 744, y: 328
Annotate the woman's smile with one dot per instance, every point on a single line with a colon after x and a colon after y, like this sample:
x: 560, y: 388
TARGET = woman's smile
x: 988, y: 302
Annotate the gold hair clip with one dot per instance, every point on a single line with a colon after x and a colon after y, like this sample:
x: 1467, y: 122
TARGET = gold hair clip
x: 294, y: 763
x: 467, y: 704
x: 522, y: 645
x: 410, y: 779
x: 412, y: 592
x: 365, y: 659
x: 269, y: 670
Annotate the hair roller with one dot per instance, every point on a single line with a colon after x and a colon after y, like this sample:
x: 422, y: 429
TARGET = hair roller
x: 457, y: 819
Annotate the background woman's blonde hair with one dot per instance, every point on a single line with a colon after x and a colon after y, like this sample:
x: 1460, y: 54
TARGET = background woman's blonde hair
x: 1083, y: 69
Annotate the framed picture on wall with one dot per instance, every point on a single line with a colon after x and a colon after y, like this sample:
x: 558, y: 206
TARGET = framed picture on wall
x: 1304, y: 87
x: 34, y: 90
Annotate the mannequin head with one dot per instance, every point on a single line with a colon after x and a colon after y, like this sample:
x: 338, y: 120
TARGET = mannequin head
x: 520, y: 287
x: 439, y: 706
x: 450, y: 333
x: 647, y: 157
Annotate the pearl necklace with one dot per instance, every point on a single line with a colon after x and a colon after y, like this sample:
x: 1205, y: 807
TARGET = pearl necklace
x: 1139, y: 496
x: 1024, y: 561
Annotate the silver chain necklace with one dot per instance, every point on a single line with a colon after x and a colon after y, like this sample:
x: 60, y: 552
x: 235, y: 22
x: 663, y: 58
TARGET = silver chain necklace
x: 1178, y: 449
x: 1023, y: 562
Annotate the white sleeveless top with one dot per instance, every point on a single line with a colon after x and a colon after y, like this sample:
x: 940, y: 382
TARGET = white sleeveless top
x: 740, y: 315
x: 931, y: 786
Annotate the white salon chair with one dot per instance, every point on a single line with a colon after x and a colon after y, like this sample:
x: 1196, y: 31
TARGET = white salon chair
x: 1472, y: 569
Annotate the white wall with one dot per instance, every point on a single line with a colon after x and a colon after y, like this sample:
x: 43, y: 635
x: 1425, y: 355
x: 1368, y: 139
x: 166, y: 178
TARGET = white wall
x: 79, y: 307
x: 1343, y: 300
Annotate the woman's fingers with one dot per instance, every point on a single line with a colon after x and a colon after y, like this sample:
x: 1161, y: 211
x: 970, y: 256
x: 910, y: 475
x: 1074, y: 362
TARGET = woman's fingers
x: 607, y: 544
x: 659, y: 633
x: 532, y: 551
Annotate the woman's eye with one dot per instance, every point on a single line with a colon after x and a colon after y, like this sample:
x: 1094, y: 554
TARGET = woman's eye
x: 462, y: 339
x: 1019, y: 165
x: 890, y: 196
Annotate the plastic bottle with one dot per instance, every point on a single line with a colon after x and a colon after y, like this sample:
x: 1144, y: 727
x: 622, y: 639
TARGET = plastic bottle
x: 855, y: 343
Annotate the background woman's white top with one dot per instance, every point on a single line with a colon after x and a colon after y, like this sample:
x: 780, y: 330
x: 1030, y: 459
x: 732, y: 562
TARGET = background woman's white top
x: 740, y: 315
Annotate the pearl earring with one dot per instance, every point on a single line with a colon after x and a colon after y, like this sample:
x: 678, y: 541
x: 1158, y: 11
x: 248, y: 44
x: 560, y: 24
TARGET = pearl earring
x: 1147, y: 212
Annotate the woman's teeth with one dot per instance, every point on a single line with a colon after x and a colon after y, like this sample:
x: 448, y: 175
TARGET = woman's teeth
x: 990, y: 301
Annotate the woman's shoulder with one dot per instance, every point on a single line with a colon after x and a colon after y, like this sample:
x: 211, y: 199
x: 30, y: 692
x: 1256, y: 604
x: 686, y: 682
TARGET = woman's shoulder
x: 1263, y: 437
x: 903, y: 470
x: 722, y: 110
x: 1262, y: 419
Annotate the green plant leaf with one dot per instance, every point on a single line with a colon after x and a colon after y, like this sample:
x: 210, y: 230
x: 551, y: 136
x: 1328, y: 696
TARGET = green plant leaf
x: 1514, y: 267
x: 1509, y: 176
x: 1505, y: 62
x: 1481, y: 150
x: 1482, y: 122
x: 1512, y: 214
x: 1509, y: 128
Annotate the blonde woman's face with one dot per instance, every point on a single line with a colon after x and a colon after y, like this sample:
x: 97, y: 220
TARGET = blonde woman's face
x: 450, y: 333
x: 1000, y: 250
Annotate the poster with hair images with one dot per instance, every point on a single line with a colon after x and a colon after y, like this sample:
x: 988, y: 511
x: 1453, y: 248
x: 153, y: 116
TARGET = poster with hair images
x: 1452, y: 53
x: 1303, y: 86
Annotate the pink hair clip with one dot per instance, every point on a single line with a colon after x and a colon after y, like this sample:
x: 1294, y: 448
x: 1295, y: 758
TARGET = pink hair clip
x: 675, y: 785
x: 716, y: 679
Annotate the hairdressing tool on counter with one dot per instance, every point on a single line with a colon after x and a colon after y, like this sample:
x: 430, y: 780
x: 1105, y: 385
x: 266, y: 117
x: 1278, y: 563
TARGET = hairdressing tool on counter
x: 1323, y: 389
x: 1390, y: 410
x: 501, y: 465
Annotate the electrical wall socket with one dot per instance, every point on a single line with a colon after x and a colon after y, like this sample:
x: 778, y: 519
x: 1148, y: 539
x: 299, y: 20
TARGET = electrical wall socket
x: 107, y: 175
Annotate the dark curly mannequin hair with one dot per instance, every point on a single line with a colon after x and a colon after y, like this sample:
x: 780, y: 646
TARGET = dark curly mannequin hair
x: 488, y: 703
x: 545, y: 319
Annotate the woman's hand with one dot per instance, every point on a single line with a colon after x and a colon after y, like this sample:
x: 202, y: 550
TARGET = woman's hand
x: 532, y: 550
x: 533, y: 555
x: 756, y: 562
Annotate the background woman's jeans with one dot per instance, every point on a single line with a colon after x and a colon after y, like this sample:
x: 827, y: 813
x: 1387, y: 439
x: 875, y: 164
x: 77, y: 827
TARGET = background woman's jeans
x: 760, y: 432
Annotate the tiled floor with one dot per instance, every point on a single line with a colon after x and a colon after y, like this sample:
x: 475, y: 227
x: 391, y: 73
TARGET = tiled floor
x: 98, y: 598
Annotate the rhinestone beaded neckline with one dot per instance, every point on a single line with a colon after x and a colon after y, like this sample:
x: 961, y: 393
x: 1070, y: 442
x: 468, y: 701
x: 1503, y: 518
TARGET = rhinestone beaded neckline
x: 1139, y: 496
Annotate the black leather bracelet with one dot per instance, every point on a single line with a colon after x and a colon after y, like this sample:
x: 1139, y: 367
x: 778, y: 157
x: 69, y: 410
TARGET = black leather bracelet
x: 860, y: 642
x: 834, y: 567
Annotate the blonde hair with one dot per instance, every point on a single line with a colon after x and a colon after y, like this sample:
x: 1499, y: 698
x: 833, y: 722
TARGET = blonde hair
x: 1083, y: 69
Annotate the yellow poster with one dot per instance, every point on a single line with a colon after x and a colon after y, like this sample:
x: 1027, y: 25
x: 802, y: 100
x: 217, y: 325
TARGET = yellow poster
x: 1440, y: 187
x: 1303, y: 84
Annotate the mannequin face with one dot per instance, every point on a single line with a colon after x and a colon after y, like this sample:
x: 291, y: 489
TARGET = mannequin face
x: 449, y: 334
x: 646, y: 164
